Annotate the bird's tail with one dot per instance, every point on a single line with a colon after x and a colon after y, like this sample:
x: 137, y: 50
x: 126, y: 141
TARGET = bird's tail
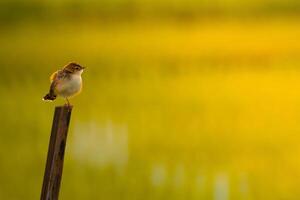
x: 49, y: 97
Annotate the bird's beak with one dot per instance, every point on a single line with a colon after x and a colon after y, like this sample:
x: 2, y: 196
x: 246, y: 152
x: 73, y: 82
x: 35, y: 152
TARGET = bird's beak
x: 83, y: 67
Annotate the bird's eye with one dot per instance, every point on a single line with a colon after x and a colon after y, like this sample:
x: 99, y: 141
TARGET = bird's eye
x: 78, y: 68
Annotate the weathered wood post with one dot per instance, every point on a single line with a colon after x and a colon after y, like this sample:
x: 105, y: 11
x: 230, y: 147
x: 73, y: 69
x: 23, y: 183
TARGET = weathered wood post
x: 56, y: 152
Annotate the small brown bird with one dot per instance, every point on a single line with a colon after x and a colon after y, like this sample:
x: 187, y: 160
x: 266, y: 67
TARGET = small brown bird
x: 65, y: 83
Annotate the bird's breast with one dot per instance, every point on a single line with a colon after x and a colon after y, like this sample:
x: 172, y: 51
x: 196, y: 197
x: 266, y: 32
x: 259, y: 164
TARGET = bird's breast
x: 69, y: 86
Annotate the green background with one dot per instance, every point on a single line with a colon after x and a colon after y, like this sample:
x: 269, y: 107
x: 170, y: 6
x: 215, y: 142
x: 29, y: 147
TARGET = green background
x: 181, y: 99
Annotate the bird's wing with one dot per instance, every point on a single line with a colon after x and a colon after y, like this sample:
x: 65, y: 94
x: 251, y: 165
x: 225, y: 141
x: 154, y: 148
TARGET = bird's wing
x: 58, y: 75
x: 53, y: 76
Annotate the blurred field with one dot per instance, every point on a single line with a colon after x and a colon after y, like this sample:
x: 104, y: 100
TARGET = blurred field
x: 171, y: 109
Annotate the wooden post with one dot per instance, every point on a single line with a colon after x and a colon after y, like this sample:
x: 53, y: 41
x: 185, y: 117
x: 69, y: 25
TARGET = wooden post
x: 56, y: 152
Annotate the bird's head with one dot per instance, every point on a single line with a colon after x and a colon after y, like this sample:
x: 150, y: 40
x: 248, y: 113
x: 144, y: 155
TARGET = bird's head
x: 74, y: 68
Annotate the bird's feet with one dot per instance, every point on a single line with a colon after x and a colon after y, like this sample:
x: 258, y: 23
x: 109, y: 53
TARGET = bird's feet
x: 68, y: 106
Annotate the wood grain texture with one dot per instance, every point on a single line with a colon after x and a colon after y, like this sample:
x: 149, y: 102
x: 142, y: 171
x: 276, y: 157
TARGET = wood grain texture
x: 56, y: 152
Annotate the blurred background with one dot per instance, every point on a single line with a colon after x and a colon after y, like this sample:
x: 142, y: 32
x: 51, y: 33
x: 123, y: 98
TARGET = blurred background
x: 182, y: 99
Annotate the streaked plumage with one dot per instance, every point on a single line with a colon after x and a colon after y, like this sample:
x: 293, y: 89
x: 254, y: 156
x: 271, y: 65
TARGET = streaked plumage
x: 66, y: 82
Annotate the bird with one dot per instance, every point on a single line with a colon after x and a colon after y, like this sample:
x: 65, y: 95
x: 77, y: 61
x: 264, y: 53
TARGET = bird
x: 65, y: 83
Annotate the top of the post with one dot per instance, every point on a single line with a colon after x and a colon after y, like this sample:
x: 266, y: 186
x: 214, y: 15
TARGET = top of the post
x: 64, y: 108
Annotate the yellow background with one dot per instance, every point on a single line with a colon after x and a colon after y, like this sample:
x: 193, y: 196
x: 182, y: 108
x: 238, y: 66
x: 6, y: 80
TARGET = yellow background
x: 181, y: 99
